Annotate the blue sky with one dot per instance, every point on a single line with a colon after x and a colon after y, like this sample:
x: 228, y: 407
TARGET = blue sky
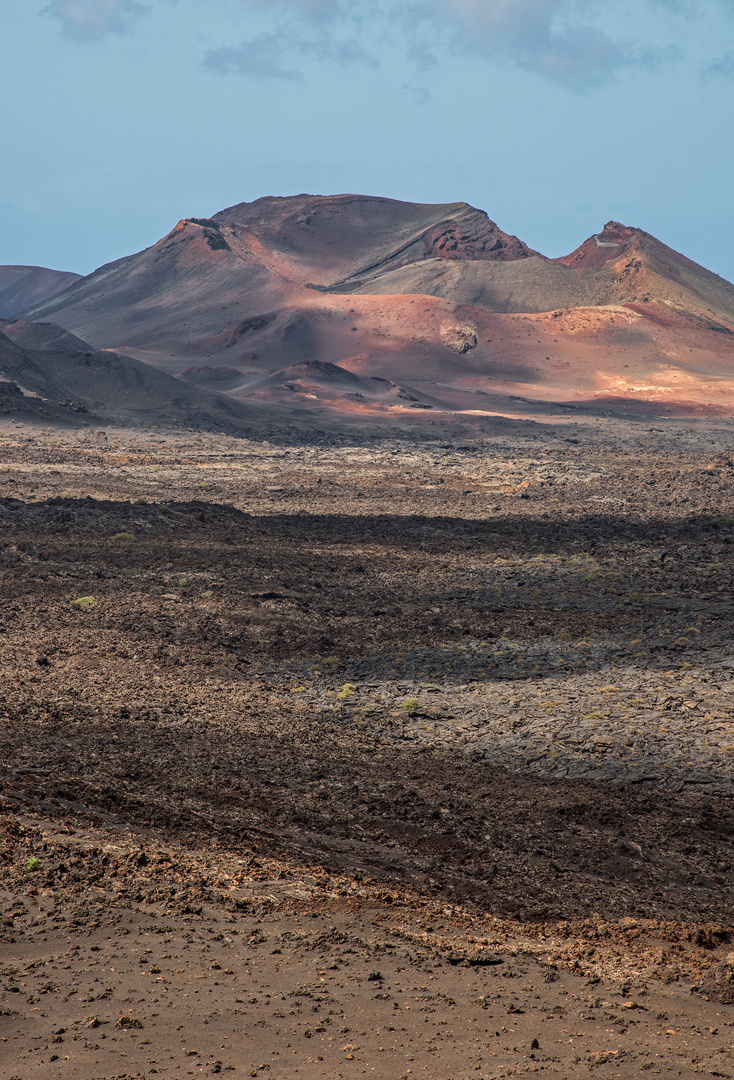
x: 122, y: 116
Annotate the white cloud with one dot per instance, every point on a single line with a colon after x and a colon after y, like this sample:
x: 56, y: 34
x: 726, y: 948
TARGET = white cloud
x: 90, y: 20
x: 548, y: 37
x: 723, y: 66
x: 268, y: 56
x: 516, y: 19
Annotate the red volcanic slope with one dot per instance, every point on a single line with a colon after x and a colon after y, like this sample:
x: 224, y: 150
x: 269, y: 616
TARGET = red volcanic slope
x: 436, y: 300
x: 602, y: 249
x: 644, y: 270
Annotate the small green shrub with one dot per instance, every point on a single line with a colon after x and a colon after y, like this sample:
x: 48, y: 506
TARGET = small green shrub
x: 33, y: 864
x: 142, y: 501
x: 85, y: 601
x: 410, y: 704
x: 347, y: 691
x: 122, y: 537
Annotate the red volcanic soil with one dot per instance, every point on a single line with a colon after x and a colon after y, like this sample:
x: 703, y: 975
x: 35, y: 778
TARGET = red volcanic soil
x: 436, y: 300
x: 654, y: 359
x: 605, y: 247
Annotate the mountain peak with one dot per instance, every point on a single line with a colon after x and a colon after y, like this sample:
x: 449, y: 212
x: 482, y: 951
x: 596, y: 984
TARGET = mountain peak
x: 615, y: 231
x: 206, y: 229
x: 613, y: 241
x: 328, y: 240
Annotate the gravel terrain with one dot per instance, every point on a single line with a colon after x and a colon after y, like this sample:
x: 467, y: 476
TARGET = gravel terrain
x: 454, y: 699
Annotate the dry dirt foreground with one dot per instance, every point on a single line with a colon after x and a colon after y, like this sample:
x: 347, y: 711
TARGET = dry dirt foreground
x: 389, y: 760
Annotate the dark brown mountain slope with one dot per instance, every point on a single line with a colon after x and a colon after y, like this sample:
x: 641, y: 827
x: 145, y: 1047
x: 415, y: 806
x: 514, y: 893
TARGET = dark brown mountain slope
x: 197, y: 280
x: 532, y: 284
x: 21, y: 286
x: 333, y: 241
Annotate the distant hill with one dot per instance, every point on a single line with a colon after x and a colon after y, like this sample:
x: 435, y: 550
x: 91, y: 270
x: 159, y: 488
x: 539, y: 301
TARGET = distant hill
x: 22, y: 286
x: 46, y: 372
x: 434, y: 299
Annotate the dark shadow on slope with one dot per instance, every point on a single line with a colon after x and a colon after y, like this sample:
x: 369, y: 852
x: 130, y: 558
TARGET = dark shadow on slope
x: 288, y: 587
x: 328, y: 791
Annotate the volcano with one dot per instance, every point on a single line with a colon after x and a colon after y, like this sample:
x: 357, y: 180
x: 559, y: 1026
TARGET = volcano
x: 434, y: 299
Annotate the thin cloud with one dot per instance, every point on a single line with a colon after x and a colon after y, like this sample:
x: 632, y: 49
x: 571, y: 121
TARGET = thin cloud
x: 722, y: 67
x: 271, y: 56
x: 580, y: 59
x: 542, y: 37
x: 261, y: 57
x: 91, y: 20
x: 561, y: 41
x: 522, y: 21
x: 555, y: 39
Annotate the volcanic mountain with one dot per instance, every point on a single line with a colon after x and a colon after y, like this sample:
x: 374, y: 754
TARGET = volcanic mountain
x: 21, y: 286
x: 433, y: 299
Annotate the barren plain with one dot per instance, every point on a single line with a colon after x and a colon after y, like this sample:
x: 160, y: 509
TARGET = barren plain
x: 402, y: 759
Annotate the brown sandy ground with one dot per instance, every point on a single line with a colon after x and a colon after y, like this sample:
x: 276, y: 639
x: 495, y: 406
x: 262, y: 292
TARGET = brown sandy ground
x: 471, y: 703
x: 161, y: 959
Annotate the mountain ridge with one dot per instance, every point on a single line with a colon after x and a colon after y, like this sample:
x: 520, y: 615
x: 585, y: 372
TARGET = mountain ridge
x: 409, y: 292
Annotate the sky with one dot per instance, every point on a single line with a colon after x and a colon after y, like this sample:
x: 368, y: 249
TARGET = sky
x: 120, y: 117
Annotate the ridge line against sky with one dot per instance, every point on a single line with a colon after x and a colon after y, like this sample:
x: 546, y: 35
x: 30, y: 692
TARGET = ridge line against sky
x: 552, y: 115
